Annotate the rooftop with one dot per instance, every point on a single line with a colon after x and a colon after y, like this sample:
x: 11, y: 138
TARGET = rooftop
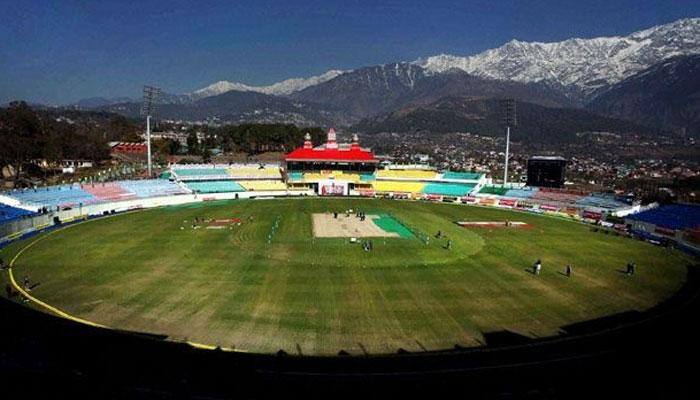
x: 332, y: 151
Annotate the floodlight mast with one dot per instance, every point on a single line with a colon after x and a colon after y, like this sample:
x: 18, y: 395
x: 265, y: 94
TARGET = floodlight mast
x: 509, y: 119
x: 148, y: 144
x: 505, y: 169
x: 150, y: 96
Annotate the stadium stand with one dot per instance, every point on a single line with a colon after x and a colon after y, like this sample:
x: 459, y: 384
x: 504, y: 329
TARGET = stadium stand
x: 315, y: 176
x: 221, y: 172
x: 558, y: 196
x: 109, y: 191
x: 497, y: 190
x: 295, y: 176
x: 9, y: 213
x: 215, y: 187
x: 86, y: 194
x: 312, y: 176
x: 461, y: 175
x: 367, y: 177
x: 600, y: 201
x: 254, y: 172
x: 448, y: 189
x: 398, y: 187
x: 346, y: 176
x: 199, y: 173
x: 263, y: 185
x: 674, y: 216
x: 152, y: 188
x: 53, y: 196
x: 406, y: 174
x: 523, y: 193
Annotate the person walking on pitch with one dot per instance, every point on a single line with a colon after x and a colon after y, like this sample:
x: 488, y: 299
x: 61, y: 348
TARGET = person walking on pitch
x: 537, y: 267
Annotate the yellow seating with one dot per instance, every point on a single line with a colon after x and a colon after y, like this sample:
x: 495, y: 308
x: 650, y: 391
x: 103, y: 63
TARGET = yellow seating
x: 398, y: 187
x: 254, y: 172
x: 348, y: 176
x: 315, y: 176
x: 263, y: 185
x: 354, y: 177
x: 406, y: 173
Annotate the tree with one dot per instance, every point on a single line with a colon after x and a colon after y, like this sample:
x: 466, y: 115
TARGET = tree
x: 29, y: 137
x: 167, y: 147
x: 192, y: 142
x: 206, y: 154
x: 257, y: 138
x: 121, y: 129
x: 22, y: 136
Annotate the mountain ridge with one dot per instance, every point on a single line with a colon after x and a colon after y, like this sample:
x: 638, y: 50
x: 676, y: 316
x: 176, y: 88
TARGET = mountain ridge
x: 666, y: 95
x: 370, y: 91
x: 281, y: 88
x: 483, y: 116
x: 586, y: 65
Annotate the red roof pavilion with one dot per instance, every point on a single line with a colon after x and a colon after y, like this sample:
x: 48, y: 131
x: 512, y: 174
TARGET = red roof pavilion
x: 331, y: 151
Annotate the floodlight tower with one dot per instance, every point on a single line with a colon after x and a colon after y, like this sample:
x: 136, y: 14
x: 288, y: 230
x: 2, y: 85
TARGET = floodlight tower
x: 150, y: 96
x: 509, y: 120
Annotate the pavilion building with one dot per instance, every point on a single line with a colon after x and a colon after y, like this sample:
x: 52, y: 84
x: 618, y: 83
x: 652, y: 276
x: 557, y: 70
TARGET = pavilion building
x: 332, y: 168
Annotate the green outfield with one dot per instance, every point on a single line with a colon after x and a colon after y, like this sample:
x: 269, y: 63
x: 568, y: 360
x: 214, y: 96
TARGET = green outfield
x: 252, y: 276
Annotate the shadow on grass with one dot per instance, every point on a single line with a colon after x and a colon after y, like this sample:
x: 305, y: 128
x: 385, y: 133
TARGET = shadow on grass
x: 601, y: 323
x: 505, y: 338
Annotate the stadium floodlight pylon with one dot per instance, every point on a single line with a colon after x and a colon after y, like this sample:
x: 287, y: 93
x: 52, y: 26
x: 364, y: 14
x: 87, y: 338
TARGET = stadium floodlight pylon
x: 148, y: 108
x: 509, y: 120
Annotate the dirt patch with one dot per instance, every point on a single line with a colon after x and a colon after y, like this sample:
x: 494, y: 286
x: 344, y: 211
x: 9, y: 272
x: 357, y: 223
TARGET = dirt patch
x: 327, y: 226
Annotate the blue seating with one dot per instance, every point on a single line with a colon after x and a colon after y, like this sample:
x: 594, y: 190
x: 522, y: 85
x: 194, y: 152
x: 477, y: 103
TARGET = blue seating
x: 9, y: 213
x: 52, y: 196
x: 600, y: 201
x: 461, y: 175
x: 521, y: 193
x: 215, y: 187
x: 367, y: 177
x: 674, y: 216
x: 448, y: 189
x: 152, y: 188
x: 201, y: 172
x: 295, y: 176
x: 74, y: 195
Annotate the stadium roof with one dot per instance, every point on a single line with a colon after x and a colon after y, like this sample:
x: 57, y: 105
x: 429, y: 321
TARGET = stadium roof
x: 331, y: 151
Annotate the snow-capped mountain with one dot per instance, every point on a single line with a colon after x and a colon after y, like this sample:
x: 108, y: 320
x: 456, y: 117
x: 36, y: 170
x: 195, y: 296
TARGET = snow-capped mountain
x: 574, y: 73
x: 221, y: 87
x: 585, y: 65
x: 282, y: 88
x: 292, y: 85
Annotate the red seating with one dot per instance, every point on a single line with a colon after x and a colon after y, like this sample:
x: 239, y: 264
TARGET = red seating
x: 558, y: 195
x: 111, y: 191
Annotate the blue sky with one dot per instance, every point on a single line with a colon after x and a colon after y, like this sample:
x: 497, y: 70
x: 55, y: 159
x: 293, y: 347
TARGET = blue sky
x: 60, y: 51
